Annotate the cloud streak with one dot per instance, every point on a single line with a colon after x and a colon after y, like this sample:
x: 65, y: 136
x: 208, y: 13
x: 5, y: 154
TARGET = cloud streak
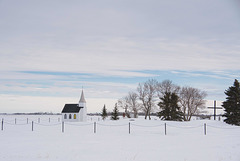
x: 121, y: 56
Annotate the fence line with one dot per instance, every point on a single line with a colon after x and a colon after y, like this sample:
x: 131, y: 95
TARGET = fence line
x: 15, y: 120
x: 146, y: 125
x: 94, y: 124
x: 47, y: 124
x: 78, y: 124
x: 112, y: 124
x: 21, y: 119
x: 15, y: 124
x: 185, y: 127
x: 217, y: 127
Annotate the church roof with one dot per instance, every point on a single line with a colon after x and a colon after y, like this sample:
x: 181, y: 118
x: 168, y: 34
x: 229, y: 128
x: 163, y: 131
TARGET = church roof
x: 71, y: 108
x: 82, y: 99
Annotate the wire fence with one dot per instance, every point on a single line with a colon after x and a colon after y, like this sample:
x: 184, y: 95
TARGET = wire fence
x: 18, y: 121
x: 13, y: 124
x: 165, y: 128
x: 222, y: 127
x: 185, y: 127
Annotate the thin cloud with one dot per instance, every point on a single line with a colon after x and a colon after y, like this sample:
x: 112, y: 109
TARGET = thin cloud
x: 53, y: 48
x: 212, y: 74
x: 117, y: 58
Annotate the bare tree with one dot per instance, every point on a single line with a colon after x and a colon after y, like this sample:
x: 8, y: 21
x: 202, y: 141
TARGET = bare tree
x: 133, y: 103
x: 130, y: 104
x: 191, y: 99
x: 123, y: 102
x: 166, y: 86
x: 146, y: 94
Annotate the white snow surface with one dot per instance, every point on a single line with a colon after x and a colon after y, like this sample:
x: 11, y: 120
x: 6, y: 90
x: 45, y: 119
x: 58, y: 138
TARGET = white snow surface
x: 185, y: 141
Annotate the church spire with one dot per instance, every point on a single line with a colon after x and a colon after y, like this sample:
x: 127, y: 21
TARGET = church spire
x: 82, y: 99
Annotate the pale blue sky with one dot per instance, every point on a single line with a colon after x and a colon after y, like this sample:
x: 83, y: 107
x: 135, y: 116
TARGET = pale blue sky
x: 50, y: 49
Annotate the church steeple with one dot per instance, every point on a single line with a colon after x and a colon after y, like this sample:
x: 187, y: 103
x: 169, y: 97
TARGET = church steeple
x: 82, y: 105
x: 82, y: 99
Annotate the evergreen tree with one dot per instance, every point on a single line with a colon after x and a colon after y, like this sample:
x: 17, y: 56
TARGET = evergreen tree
x: 170, y: 108
x: 115, y: 113
x: 232, y: 104
x: 104, y: 113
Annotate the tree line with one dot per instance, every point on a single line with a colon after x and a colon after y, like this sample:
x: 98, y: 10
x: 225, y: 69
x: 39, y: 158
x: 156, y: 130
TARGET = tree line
x: 170, y: 100
x: 174, y: 102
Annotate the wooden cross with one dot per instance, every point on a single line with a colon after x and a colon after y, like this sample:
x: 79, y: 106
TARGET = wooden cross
x: 214, y: 108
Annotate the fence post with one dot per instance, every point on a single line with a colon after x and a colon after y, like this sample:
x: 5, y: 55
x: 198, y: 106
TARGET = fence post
x: 15, y: 121
x: 62, y: 126
x: 165, y: 128
x: 2, y: 124
x: 27, y: 120
x: 129, y: 128
x: 32, y: 125
x: 95, y: 127
x: 205, y: 129
x: 49, y: 119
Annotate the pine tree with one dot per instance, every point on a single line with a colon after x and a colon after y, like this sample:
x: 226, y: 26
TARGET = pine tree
x: 104, y: 113
x: 170, y: 108
x: 232, y: 104
x: 115, y: 113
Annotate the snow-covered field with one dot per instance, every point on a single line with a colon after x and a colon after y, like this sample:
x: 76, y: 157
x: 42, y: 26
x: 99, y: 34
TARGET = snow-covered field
x: 185, y: 141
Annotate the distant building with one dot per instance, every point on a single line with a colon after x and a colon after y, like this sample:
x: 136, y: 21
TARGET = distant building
x: 75, y: 112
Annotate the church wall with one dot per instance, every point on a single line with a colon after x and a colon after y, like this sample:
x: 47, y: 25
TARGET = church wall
x: 70, y: 117
x: 83, y: 114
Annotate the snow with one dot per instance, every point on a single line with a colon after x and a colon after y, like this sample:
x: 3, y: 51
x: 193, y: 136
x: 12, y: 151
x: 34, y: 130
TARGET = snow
x: 185, y: 141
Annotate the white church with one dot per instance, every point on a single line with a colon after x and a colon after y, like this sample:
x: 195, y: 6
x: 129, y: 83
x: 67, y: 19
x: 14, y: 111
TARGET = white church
x: 75, y: 112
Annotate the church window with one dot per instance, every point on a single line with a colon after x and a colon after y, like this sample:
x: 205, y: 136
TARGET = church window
x: 75, y: 116
x: 70, y: 116
x: 65, y: 116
